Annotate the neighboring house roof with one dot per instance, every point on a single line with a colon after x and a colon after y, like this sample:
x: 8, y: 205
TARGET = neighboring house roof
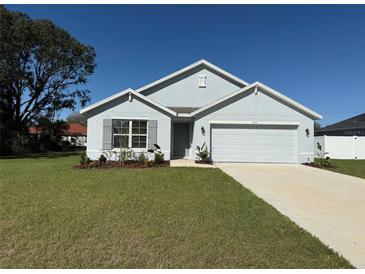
x: 74, y: 129
x: 128, y: 92
x: 34, y: 130
x: 183, y: 109
x: 355, y: 122
x: 190, y: 67
x: 264, y: 88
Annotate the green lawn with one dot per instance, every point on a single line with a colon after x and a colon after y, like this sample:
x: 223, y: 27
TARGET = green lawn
x: 349, y: 167
x: 52, y: 216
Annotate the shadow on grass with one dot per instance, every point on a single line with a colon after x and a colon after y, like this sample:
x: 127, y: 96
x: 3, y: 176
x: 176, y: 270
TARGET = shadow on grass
x: 50, y: 155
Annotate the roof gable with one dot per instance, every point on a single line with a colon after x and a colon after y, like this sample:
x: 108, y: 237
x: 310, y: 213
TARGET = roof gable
x: 128, y: 92
x: 139, y: 91
x: 201, y: 62
x: 259, y: 86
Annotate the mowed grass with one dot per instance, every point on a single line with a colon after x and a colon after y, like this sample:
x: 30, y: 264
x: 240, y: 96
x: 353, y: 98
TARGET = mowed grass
x: 53, y: 216
x: 349, y: 167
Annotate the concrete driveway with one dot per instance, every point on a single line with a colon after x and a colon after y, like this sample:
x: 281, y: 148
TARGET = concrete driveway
x: 329, y: 205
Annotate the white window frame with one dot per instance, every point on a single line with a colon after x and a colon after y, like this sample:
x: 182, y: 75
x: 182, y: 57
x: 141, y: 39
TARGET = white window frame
x: 130, y: 134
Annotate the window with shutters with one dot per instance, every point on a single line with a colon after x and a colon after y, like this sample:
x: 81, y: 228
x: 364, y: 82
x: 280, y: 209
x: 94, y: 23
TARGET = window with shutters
x: 129, y: 133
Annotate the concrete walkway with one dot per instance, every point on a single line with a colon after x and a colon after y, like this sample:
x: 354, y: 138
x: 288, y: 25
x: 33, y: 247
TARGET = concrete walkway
x: 188, y: 163
x: 329, y: 205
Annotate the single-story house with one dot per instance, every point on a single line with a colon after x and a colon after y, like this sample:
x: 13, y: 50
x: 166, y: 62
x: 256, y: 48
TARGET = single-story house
x: 354, y: 126
x: 73, y: 133
x: 76, y: 134
x: 202, y: 103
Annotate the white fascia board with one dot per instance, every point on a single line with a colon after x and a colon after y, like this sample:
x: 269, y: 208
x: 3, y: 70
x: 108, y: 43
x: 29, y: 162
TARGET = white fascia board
x: 183, y: 115
x: 289, y: 100
x: 280, y: 123
x: 129, y: 118
x: 106, y: 100
x: 124, y: 93
x: 221, y: 100
x: 145, y: 98
x: 223, y: 72
x: 198, y: 63
x: 266, y: 89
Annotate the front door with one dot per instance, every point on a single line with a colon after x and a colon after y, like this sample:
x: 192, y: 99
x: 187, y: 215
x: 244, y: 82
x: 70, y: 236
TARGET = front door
x: 181, y: 140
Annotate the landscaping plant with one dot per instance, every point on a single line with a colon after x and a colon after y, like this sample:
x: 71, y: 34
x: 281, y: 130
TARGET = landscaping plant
x: 323, y: 160
x: 102, y: 159
x: 202, y: 153
x: 142, y: 158
x: 84, y: 159
x: 159, y: 156
x: 126, y: 154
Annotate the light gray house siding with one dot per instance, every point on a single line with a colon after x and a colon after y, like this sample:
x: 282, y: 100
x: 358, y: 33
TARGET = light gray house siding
x: 260, y: 107
x: 122, y: 108
x: 287, y: 135
x: 184, y: 91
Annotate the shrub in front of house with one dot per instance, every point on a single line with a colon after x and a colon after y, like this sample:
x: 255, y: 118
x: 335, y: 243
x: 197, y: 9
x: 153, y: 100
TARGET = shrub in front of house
x: 102, y: 159
x: 84, y: 160
x: 159, y: 158
x: 125, y: 158
x: 202, y: 154
x: 142, y: 158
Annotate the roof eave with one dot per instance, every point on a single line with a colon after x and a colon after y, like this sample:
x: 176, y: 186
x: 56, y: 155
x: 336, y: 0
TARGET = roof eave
x: 277, y: 94
x: 124, y: 93
x: 106, y: 100
x: 183, y: 70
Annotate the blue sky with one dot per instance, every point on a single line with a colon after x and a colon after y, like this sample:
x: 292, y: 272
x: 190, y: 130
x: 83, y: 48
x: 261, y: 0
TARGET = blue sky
x: 314, y: 54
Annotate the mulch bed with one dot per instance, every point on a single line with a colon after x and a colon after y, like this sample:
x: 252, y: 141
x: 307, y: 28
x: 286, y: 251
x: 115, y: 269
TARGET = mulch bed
x: 117, y: 164
x: 317, y: 165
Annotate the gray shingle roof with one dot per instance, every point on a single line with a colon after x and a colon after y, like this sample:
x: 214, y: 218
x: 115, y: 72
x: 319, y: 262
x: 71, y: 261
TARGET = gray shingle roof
x: 351, y: 123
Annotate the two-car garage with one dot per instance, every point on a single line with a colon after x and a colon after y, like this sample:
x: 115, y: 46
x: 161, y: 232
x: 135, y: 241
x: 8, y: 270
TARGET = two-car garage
x: 254, y: 142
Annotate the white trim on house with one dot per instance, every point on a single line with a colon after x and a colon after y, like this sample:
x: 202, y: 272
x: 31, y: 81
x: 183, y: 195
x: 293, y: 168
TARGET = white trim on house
x: 257, y: 85
x: 128, y: 92
x: 268, y: 90
x: 106, y: 100
x: 198, y: 63
x: 153, y: 103
x: 281, y: 123
x: 130, y: 135
x: 288, y: 100
x: 128, y: 118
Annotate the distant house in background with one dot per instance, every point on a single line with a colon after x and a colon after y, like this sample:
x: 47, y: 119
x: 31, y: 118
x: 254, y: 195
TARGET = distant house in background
x: 75, y: 134
x: 354, y: 126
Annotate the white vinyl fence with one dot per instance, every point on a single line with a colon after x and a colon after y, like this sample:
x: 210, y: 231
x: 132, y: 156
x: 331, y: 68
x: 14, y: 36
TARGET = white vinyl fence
x: 341, y: 147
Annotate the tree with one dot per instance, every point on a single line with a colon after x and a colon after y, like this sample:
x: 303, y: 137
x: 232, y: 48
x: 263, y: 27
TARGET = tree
x: 76, y: 118
x: 50, y: 133
x: 41, y: 67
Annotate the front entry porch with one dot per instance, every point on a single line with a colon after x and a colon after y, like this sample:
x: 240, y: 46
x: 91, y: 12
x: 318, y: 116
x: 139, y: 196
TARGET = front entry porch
x: 189, y: 163
x: 181, y: 139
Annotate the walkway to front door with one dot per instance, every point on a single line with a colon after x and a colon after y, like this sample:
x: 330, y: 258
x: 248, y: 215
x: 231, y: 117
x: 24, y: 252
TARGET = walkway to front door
x: 181, y: 140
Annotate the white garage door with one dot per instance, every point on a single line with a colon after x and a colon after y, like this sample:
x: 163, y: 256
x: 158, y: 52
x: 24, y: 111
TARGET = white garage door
x: 268, y: 144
